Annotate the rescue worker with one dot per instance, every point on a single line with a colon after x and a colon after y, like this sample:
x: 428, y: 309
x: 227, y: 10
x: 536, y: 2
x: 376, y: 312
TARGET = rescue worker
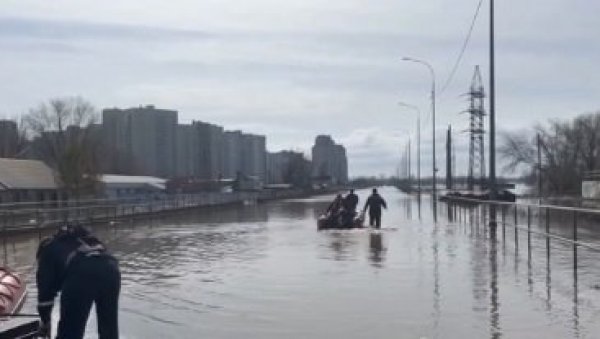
x: 337, y: 204
x: 351, y: 201
x: 77, y: 264
x: 374, y: 204
x: 334, y: 211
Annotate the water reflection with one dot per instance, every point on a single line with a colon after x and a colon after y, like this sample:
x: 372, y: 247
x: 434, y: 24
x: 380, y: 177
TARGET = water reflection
x: 343, y: 245
x: 450, y: 212
x: 495, y: 329
x: 294, y: 209
x: 436, y: 276
x: 558, y: 295
x: 263, y: 271
x: 376, y: 249
x: 408, y: 207
x: 214, y: 215
x: 419, y: 205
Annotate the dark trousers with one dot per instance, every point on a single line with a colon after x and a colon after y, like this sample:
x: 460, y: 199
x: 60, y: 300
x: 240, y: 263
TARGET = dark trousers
x: 375, y: 219
x: 94, y: 279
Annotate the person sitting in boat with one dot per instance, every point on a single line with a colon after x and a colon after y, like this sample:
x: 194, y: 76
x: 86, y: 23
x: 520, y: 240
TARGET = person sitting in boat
x: 334, y: 211
x: 337, y: 204
x: 76, y: 263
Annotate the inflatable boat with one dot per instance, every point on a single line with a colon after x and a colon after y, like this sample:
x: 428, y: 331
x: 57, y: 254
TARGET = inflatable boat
x: 12, y: 292
x: 328, y: 221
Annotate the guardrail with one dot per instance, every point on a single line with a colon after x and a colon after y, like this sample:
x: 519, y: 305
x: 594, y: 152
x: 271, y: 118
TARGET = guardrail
x: 560, y: 223
x: 27, y: 218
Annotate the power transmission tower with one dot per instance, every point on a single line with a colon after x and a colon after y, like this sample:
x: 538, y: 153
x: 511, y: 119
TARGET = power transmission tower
x: 476, y: 131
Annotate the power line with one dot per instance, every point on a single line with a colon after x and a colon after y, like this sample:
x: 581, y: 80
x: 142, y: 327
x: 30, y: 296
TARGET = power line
x: 463, y: 49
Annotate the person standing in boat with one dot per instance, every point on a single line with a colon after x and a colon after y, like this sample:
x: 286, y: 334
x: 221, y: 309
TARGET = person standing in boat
x: 78, y: 265
x: 374, y: 204
x: 351, y: 201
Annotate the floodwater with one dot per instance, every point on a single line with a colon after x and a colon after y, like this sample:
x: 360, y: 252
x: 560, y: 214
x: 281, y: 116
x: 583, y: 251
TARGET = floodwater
x: 263, y: 271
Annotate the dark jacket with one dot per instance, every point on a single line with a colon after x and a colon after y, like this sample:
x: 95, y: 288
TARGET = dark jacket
x: 374, y: 204
x: 336, y: 205
x: 350, y: 202
x: 55, y: 255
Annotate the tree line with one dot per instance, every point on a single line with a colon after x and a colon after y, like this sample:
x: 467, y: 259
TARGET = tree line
x: 557, y: 154
x: 60, y: 133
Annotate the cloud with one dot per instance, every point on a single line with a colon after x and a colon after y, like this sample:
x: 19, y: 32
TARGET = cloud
x: 292, y: 70
x: 21, y: 27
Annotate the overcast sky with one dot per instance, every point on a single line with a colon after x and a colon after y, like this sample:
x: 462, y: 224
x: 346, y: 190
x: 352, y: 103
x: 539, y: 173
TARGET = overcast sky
x: 295, y: 69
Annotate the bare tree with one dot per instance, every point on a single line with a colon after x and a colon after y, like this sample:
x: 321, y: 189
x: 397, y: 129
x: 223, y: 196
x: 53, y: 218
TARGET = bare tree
x: 569, y: 149
x: 65, y: 137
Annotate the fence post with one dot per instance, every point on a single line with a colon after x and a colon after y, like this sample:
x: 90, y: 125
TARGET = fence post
x: 548, y: 234
x: 575, y: 238
x: 4, y: 240
x: 516, y: 228
x: 38, y: 223
x: 529, y: 232
x: 503, y: 223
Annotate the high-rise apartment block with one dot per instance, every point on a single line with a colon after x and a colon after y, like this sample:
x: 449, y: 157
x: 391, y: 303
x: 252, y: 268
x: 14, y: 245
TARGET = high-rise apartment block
x: 232, y: 154
x: 254, y: 156
x: 287, y: 167
x: 210, y: 148
x: 149, y: 141
x: 141, y: 140
x: 9, y: 138
x: 329, y: 161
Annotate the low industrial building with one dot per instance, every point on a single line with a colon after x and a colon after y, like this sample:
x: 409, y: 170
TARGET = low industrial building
x: 27, y: 181
x: 131, y: 186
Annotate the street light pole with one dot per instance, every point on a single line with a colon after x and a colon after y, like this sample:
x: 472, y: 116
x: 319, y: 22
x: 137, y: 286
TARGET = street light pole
x: 492, y: 181
x: 409, y: 167
x: 434, y: 170
x: 418, y: 143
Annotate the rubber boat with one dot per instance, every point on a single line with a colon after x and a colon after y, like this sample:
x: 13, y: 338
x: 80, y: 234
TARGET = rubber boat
x: 12, y: 292
x: 326, y: 221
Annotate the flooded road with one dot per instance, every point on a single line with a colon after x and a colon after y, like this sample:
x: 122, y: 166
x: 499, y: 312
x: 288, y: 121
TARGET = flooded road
x: 263, y: 271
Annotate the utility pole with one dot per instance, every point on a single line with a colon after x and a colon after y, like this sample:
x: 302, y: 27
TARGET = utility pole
x: 449, y: 183
x: 539, y: 166
x: 409, y: 167
x: 492, y: 183
x: 433, y: 144
x: 418, y: 111
x: 434, y: 169
x: 419, y: 154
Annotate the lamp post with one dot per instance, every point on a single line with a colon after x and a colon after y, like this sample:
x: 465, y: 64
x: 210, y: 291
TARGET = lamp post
x: 492, y: 180
x: 431, y: 70
x: 415, y: 108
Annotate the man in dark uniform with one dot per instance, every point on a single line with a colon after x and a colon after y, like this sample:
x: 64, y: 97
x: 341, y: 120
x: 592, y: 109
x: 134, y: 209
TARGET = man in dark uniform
x: 374, y: 204
x: 351, y: 201
x: 77, y: 264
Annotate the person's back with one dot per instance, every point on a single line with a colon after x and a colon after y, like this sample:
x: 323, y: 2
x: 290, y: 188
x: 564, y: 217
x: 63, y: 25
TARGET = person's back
x: 77, y: 264
x: 351, y: 201
x: 374, y: 204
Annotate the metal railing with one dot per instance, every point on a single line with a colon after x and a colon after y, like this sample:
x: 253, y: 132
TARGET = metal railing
x: 31, y: 217
x: 560, y: 223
